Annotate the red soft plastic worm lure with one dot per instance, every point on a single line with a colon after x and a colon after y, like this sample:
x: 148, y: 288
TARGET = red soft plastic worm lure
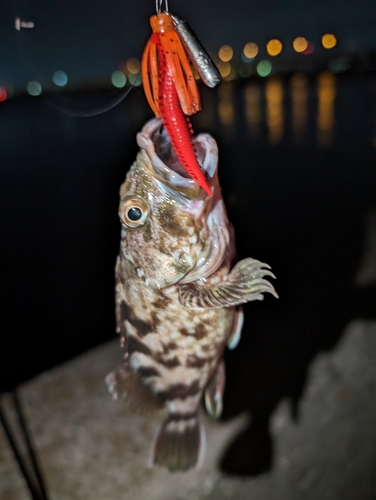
x: 177, y: 125
x: 171, y: 91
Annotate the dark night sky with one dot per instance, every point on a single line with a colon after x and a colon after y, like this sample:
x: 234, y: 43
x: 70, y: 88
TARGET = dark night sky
x: 90, y: 39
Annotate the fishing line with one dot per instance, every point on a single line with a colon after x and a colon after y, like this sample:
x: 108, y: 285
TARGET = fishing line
x: 72, y: 107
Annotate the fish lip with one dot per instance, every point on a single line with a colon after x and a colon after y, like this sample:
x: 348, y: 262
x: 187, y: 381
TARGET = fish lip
x: 203, y: 143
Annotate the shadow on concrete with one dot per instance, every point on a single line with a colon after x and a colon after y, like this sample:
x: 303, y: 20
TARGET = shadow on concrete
x: 308, y: 224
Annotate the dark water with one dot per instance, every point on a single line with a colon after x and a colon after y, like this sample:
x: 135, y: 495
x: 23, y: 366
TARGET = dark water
x: 298, y: 171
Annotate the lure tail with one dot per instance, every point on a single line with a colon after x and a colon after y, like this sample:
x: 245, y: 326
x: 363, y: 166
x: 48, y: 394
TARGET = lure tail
x: 174, y: 52
x: 180, y: 443
x: 177, y: 125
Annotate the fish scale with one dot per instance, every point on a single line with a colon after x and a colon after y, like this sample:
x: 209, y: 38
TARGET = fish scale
x: 179, y: 292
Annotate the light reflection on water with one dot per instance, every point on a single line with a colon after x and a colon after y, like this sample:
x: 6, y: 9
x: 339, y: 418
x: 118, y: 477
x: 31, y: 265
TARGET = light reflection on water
x: 253, y: 109
x: 326, y: 93
x: 299, y: 103
x: 226, y: 111
x: 278, y: 106
x: 274, y: 109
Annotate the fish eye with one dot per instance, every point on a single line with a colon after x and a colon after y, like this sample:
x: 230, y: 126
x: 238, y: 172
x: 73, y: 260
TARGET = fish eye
x: 134, y: 211
x: 134, y: 214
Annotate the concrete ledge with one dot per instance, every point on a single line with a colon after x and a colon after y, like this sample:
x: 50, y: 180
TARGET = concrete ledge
x: 92, y: 447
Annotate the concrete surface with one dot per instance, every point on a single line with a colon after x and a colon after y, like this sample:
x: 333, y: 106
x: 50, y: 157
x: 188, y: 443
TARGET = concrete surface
x: 91, y: 447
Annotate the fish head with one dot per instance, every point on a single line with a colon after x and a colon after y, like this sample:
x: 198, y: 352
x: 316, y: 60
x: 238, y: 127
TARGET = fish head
x: 172, y: 231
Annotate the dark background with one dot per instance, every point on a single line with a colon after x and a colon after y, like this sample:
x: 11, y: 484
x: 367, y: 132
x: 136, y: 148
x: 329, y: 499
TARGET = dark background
x: 90, y: 39
x: 298, y: 203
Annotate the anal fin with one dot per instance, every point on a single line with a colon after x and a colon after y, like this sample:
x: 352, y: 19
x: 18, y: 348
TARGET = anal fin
x: 214, y: 392
x: 125, y: 384
x: 244, y: 283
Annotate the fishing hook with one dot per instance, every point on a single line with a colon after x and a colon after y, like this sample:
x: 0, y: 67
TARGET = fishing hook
x: 158, y: 6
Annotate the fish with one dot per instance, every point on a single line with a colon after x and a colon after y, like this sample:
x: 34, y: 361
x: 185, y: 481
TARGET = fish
x: 179, y: 292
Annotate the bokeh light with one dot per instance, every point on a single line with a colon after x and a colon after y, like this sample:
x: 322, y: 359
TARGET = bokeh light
x: 274, y: 47
x: 300, y: 44
x: 3, y: 94
x: 135, y: 79
x: 60, y: 78
x: 310, y: 48
x: 133, y: 65
x: 250, y: 50
x: 264, y: 68
x: 34, y: 88
x: 118, y: 79
x: 225, y: 53
x: 224, y: 68
x: 339, y: 64
x: 328, y: 41
x: 245, y: 70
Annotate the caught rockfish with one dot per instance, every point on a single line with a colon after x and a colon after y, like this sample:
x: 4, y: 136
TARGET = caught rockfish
x: 178, y: 294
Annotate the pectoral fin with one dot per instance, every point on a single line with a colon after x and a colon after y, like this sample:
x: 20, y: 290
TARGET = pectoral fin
x: 245, y: 283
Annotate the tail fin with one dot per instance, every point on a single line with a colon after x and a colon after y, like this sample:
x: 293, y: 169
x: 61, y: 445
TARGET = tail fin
x: 180, y: 443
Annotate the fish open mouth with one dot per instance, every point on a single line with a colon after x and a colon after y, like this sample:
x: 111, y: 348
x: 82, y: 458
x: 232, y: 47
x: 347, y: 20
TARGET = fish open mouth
x: 156, y: 141
x: 165, y: 151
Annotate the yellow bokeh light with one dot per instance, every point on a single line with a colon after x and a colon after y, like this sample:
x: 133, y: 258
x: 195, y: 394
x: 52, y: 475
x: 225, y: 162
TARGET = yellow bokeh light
x: 224, y: 68
x: 225, y: 53
x: 133, y: 65
x: 329, y: 41
x: 274, y: 47
x: 300, y: 44
x: 250, y: 50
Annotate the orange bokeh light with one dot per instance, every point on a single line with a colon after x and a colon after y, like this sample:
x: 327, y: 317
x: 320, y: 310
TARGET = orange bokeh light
x: 329, y: 41
x: 274, y: 47
x: 300, y: 44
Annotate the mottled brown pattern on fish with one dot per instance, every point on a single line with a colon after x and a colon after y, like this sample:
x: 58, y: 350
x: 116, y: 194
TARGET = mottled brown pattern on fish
x: 142, y: 327
x: 185, y: 241
x: 169, y: 362
x: 200, y: 331
x: 135, y: 345
x: 146, y: 372
x: 171, y: 346
x: 181, y: 416
x: 160, y: 303
x: 193, y: 362
x: 155, y: 319
x: 180, y: 391
x: 170, y: 221
x: 147, y: 232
